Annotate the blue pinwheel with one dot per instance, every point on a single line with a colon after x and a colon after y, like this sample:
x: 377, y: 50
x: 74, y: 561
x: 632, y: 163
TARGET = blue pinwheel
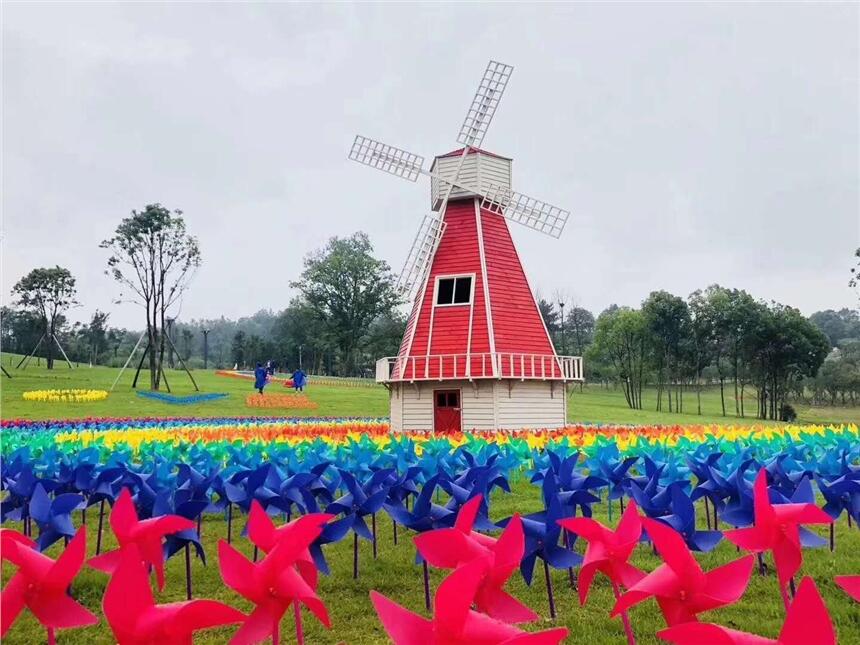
x: 841, y: 495
x: 682, y: 518
x: 53, y: 516
x: 182, y: 503
x: 542, y: 536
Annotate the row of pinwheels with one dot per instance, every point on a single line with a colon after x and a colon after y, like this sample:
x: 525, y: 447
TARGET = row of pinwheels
x: 65, y: 395
x: 287, y: 577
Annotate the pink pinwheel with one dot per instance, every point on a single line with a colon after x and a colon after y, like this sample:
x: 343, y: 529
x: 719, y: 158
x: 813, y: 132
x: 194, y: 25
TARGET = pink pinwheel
x: 850, y: 585
x: 264, y: 534
x: 41, y: 585
x: 679, y: 585
x: 9, y: 536
x: 147, y: 535
x: 455, y: 622
x: 135, y: 619
x: 807, y: 621
x: 608, y: 550
x: 273, y: 584
x: 777, y: 529
x: 450, y: 548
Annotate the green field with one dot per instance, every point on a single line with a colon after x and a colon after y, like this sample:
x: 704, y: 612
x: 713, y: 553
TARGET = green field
x: 394, y: 572
x: 594, y: 404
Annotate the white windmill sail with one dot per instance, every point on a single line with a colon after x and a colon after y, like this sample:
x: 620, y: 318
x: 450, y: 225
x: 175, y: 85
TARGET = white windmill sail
x: 522, y: 209
x: 420, y: 254
x: 395, y: 161
x: 484, y: 104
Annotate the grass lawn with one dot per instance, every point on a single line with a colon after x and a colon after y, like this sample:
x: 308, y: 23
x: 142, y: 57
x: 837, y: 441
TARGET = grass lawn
x: 395, y: 575
x: 594, y: 404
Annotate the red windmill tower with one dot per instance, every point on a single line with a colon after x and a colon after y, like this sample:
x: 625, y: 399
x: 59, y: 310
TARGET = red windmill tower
x: 476, y: 354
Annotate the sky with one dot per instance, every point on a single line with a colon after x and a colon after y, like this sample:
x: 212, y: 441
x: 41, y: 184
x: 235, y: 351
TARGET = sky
x: 693, y: 143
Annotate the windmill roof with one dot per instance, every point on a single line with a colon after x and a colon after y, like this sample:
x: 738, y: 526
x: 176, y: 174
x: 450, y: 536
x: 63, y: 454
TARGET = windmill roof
x: 459, y: 151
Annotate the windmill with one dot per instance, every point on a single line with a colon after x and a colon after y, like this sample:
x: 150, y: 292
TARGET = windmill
x: 476, y: 353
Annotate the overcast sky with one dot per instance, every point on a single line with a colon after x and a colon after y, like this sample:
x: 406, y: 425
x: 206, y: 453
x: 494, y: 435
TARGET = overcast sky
x: 692, y: 143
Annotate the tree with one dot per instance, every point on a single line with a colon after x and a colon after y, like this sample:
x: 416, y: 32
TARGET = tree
x: 620, y: 339
x: 549, y: 315
x: 838, y: 326
x: 153, y: 254
x: 347, y: 288
x: 668, y: 321
x: 580, y: 329
x: 237, y: 349
x: 47, y: 293
x: 854, y: 282
x: 96, y: 335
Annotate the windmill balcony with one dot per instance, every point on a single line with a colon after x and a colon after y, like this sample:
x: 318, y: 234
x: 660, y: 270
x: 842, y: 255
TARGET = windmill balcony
x: 500, y: 365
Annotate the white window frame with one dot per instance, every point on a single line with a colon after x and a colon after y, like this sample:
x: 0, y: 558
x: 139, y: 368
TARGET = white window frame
x: 454, y: 277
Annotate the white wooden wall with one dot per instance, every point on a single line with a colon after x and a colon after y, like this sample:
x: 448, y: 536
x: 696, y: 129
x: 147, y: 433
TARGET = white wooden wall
x: 527, y: 404
x: 478, y: 170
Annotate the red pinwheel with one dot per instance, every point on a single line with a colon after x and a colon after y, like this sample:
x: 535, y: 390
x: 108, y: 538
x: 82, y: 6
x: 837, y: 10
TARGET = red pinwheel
x: 135, y: 619
x: 454, y: 621
x: 147, y: 535
x: 9, y: 536
x: 450, y: 548
x: 264, y: 534
x: 777, y: 529
x: 41, y: 585
x: 679, y: 585
x: 850, y: 585
x: 273, y: 584
x: 807, y: 621
x: 608, y: 552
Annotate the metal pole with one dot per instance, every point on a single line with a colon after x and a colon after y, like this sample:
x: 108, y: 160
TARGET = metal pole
x: 563, y: 345
x: 130, y: 356
x: 300, y: 356
x: 30, y: 355
x: 181, y: 362
x: 206, y: 349
x: 57, y: 340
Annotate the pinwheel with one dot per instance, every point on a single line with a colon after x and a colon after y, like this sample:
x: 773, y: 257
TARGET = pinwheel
x: 850, y: 585
x: 608, y: 552
x: 7, y: 536
x: 182, y: 504
x: 607, y: 466
x: 807, y: 621
x: 146, y: 534
x: 683, y: 519
x: 20, y: 487
x: 542, y: 533
x: 679, y: 585
x: 53, y: 516
x: 273, y: 585
x: 454, y: 621
x: 841, y: 495
x: 135, y: 619
x: 449, y: 548
x: 356, y: 504
x: 41, y: 585
x: 777, y: 529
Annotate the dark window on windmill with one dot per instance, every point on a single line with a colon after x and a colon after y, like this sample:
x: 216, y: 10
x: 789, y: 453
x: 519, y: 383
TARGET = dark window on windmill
x: 454, y: 291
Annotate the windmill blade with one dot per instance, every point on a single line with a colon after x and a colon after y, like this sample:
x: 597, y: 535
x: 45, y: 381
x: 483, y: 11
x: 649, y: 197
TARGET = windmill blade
x: 421, y: 254
x: 525, y: 210
x: 387, y: 158
x: 484, y: 104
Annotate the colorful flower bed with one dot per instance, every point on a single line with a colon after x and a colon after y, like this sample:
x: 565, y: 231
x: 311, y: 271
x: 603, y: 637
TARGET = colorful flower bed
x: 753, y: 486
x: 65, y: 396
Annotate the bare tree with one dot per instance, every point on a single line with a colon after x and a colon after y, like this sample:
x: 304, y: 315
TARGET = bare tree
x: 153, y: 254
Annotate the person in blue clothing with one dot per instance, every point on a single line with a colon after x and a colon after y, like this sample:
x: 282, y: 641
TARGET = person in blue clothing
x: 260, y: 377
x: 300, y: 379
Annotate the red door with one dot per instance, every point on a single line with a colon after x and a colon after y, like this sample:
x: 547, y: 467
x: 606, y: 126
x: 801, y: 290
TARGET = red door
x: 446, y: 411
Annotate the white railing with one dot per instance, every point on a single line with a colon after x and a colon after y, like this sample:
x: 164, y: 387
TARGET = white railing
x: 437, y: 367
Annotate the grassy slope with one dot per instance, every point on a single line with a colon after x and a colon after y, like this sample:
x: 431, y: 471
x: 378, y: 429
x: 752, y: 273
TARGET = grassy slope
x: 394, y: 573
x: 594, y: 405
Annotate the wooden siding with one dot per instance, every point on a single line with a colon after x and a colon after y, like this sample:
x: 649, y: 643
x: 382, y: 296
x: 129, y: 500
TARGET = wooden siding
x: 517, y: 324
x: 417, y: 406
x: 395, y: 399
x: 478, y: 170
x: 530, y: 404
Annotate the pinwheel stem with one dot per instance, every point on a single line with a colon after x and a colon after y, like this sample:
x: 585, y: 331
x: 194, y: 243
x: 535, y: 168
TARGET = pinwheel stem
x: 188, y: 571
x: 707, y: 513
x: 832, y: 537
x: 609, y: 505
x: 276, y: 632
x: 355, y: 556
x: 625, y: 619
x: 762, y: 567
x: 229, y: 523
x: 83, y: 517
x: 373, y: 528
x: 571, y: 576
x: 395, y: 531
x: 200, y: 527
x: 426, y: 585
x: 549, y: 595
x: 256, y: 552
x: 716, y: 519
x: 621, y: 503
x: 52, y: 638
x: 791, y: 587
x: 784, y: 592
x: 101, y: 523
x: 297, y: 612
x: 849, y: 520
